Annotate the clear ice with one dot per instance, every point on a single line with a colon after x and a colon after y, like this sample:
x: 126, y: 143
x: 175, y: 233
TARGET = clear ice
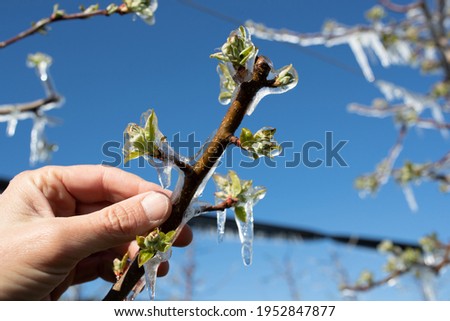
x: 221, y: 219
x: 361, y: 42
x: 263, y: 92
x: 151, y: 269
x: 410, y: 198
x: 40, y: 150
x: 246, y: 234
x: 163, y: 170
x: 211, y: 171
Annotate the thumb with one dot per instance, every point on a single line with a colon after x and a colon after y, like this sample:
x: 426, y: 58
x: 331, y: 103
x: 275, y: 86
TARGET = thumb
x: 118, y: 223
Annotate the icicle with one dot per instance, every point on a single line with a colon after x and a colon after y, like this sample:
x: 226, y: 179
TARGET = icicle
x: 40, y: 150
x: 137, y: 289
x: 360, y: 56
x: 438, y: 116
x: 410, y: 198
x: 221, y: 219
x: 427, y: 282
x: 400, y: 52
x: 151, y: 269
x: 246, y: 234
x: 11, y: 127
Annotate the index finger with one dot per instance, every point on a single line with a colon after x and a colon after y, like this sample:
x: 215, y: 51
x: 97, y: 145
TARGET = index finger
x: 96, y: 183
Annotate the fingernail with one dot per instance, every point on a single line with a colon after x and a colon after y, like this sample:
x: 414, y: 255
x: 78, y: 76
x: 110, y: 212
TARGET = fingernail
x: 156, y: 206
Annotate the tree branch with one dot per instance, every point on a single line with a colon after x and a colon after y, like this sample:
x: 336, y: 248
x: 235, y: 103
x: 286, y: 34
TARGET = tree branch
x: 235, y: 141
x: 229, y: 202
x: 33, y: 106
x: 398, y: 7
x: 201, y: 168
x: 41, y: 24
x: 436, y: 39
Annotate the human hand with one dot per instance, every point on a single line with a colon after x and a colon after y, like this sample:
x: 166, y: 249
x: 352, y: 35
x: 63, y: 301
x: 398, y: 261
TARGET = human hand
x: 61, y: 226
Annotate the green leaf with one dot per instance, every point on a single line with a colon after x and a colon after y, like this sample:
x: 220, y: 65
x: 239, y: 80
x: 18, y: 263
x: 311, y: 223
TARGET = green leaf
x: 221, y: 195
x: 151, y: 127
x: 265, y: 133
x: 34, y: 60
x: 243, y: 33
x: 246, y: 136
x: 240, y: 213
x: 245, y: 185
x: 130, y: 155
x: 235, y: 183
x: 57, y: 13
x: 144, y: 256
x: 90, y: 9
x: 219, y: 56
x: 259, y: 193
x: 140, y: 240
x: 246, y: 54
x: 221, y: 181
x: 112, y: 8
x: 170, y: 235
x: 365, y: 278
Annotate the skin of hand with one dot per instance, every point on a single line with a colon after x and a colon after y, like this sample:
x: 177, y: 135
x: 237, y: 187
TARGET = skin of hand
x: 61, y: 226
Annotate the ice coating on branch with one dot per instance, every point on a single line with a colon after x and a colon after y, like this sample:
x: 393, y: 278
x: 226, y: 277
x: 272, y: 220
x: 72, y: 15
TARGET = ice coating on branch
x: 227, y: 84
x: 40, y: 149
x: 163, y: 170
x: 148, y: 13
x: 285, y: 78
x: 164, y: 167
x: 147, y: 141
x: 362, y: 42
x: 12, y: 116
x: 151, y: 269
x: 392, y: 282
x: 419, y: 103
x: 205, y: 180
x: 176, y: 193
x: 144, y: 9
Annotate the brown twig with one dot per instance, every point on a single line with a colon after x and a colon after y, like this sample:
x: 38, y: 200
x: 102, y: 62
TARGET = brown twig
x: 235, y: 140
x: 436, y: 39
x: 41, y: 24
x: 436, y: 268
x: 398, y: 7
x: 33, y: 106
x: 201, y: 168
x: 229, y: 202
x: 373, y: 284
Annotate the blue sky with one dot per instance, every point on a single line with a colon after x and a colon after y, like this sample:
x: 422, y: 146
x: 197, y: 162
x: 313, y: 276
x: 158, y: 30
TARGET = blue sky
x: 110, y: 70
